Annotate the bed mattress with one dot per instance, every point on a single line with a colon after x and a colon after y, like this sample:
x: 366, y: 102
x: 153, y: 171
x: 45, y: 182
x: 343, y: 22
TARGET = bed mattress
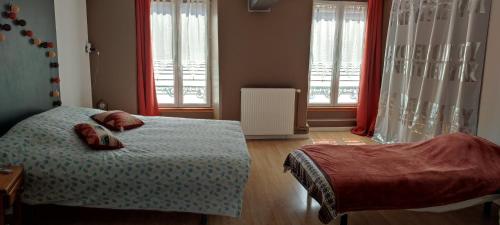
x: 169, y: 164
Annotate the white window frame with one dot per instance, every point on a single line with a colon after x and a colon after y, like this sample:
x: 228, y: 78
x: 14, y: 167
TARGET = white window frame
x: 334, y: 94
x: 178, y: 87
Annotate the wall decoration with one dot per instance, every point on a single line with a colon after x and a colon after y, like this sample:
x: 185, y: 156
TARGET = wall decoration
x: 27, y: 33
x: 55, y: 94
x: 55, y: 80
x: 51, y: 54
x: 36, y: 41
x: 26, y: 86
x: 6, y: 27
x: 12, y: 13
x: 14, y: 8
x: 21, y: 23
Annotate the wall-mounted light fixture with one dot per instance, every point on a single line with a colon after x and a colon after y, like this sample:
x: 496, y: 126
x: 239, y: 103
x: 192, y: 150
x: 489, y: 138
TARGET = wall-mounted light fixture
x: 90, y: 49
x: 260, y: 5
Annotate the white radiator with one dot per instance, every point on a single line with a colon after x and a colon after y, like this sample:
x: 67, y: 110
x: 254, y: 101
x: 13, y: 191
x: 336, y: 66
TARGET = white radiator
x: 268, y: 111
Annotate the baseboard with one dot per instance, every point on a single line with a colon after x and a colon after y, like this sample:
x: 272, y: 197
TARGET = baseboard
x: 276, y: 137
x: 332, y: 120
x: 341, y: 122
x: 330, y: 129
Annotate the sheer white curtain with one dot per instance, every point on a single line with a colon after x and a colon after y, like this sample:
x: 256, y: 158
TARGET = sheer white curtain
x: 352, y: 49
x: 180, y: 50
x: 163, y: 19
x: 433, y: 69
x: 337, y: 43
x: 353, y: 34
x: 323, y: 48
x: 324, y: 34
x: 194, y: 50
x: 163, y: 30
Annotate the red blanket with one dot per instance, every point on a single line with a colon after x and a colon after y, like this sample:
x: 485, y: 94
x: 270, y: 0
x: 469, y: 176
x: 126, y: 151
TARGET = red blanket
x: 445, y: 170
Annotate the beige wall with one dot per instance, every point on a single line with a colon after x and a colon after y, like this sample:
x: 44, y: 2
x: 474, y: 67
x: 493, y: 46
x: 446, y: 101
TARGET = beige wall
x: 255, y: 50
x: 74, y: 64
x: 112, y: 31
x: 489, y: 119
x: 263, y: 50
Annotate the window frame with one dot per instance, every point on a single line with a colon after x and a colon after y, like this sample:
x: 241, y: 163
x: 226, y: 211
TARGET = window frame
x: 335, y: 83
x: 178, y: 76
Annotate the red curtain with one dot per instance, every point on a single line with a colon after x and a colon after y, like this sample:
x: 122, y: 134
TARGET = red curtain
x: 146, y: 91
x: 371, y: 72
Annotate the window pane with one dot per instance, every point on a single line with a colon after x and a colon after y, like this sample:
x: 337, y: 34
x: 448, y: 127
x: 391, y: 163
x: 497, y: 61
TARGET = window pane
x: 162, y: 31
x: 322, y: 53
x: 353, y: 34
x: 194, y: 51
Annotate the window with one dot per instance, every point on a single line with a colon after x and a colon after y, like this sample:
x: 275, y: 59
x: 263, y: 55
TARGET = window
x: 180, y: 31
x: 337, y: 41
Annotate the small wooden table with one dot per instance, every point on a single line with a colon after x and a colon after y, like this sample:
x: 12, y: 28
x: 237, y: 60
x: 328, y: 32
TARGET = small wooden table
x: 10, y: 190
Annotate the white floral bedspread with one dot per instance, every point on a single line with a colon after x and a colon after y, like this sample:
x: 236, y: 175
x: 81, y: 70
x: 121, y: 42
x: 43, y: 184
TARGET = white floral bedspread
x: 169, y: 164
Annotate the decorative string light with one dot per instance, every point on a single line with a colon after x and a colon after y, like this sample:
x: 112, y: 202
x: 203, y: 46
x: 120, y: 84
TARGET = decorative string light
x: 12, y: 13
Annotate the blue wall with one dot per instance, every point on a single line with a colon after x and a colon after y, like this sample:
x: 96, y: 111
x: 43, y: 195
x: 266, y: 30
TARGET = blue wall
x: 24, y: 68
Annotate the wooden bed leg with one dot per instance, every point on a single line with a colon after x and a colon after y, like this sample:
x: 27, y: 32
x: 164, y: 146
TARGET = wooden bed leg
x: 487, y: 209
x: 204, y: 220
x: 344, y: 219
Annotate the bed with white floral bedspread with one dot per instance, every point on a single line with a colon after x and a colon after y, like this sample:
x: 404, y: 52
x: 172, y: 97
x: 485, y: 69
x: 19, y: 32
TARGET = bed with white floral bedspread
x: 169, y: 164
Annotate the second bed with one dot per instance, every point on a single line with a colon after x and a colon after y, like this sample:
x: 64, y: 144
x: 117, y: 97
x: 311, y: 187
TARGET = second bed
x: 447, y: 173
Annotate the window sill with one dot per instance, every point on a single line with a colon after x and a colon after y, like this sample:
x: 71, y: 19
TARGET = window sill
x: 187, y: 110
x: 333, y: 109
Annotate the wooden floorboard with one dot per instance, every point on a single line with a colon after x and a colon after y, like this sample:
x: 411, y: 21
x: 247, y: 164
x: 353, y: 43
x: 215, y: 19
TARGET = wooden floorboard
x: 271, y: 198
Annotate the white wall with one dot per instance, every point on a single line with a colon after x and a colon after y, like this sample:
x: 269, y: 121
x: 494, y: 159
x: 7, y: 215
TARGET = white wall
x: 72, y: 35
x: 489, y: 118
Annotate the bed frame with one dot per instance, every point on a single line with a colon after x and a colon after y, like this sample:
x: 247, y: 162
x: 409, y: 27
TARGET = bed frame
x: 204, y: 220
x: 487, y: 202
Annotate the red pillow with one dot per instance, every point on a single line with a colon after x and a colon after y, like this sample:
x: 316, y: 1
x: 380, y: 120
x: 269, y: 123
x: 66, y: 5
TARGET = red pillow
x: 117, y: 120
x: 97, y: 137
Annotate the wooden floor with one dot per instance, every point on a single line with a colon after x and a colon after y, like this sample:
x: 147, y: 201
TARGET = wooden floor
x: 271, y: 198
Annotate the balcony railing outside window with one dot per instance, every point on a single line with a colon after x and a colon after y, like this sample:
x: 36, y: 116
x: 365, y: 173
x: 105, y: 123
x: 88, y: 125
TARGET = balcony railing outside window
x: 194, y: 82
